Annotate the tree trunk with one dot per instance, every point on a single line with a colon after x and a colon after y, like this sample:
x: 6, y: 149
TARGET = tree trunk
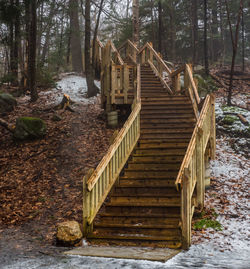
x: 172, y: 31
x: 160, y: 30
x: 136, y: 37
x: 32, y: 52
x: 205, y: 39
x: 214, y: 28
x: 92, y: 89
x: 243, y: 40
x: 95, y: 36
x: 194, y: 7
x: 76, y: 50
x: 222, y: 37
x: 234, y: 40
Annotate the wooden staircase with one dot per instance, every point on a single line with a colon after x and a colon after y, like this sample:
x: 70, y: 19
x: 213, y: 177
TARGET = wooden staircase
x: 143, y: 209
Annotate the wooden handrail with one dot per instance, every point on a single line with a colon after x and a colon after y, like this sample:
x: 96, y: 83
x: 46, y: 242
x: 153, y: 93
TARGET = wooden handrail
x: 165, y: 85
x: 191, y: 176
x: 190, y: 149
x: 99, y: 184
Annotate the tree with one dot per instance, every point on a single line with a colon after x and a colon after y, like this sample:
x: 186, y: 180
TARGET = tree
x: 205, y: 39
x: 194, y: 8
x: 160, y: 31
x: 136, y: 26
x: 32, y: 51
x: 75, y: 41
x: 234, y: 40
x: 92, y: 89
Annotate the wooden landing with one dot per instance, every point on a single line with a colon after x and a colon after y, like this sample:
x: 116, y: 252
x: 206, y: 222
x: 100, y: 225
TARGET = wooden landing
x: 135, y: 253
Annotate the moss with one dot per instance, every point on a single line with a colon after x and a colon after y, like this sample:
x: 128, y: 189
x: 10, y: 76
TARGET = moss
x: 29, y: 127
x: 230, y: 120
x: 207, y: 223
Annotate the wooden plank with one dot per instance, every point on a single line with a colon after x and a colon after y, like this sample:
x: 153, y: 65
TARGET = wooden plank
x: 125, y: 83
x: 178, y: 71
x: 135, y: 253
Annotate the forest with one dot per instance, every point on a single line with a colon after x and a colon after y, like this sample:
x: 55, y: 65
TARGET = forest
x: 57, y: 60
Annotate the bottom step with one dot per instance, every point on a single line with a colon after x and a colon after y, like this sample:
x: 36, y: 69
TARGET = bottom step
x: 175, y: 244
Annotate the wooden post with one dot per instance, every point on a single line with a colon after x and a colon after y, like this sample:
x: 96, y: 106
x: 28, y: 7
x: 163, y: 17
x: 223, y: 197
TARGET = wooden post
x: 186, y: 81
x: 186, y: 210
x: 86, y: 206
x: 200, y: 170
x: 213, y: 127
x: 113, y: 83
x: 125, y: 83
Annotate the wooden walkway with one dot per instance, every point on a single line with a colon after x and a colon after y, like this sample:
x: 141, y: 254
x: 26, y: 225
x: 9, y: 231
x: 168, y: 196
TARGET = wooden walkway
x: 144, y: 191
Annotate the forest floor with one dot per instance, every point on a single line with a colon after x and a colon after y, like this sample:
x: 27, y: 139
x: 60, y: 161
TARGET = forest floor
x: 41, y: 184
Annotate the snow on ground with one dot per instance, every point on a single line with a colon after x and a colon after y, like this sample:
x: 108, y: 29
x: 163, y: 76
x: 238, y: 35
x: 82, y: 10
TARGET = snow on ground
x: 72, y: 85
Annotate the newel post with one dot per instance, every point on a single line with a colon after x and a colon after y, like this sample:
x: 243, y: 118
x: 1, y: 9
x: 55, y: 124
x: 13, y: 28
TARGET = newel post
x: 213, y: 126
x: 186, y: 209
x: 86, y: 203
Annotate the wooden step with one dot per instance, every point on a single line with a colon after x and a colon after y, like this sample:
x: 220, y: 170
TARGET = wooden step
x: 150, y: 174
x: 157, y: 159
x: 145, y: 212
x: 146, y: 191
x: 138, y: 232
x: 133, y: 182
x: 166, y: 136
x: 137, y: 243
x: 160, y: 152
x: 169, y: 120
x: 137, y: 221
x: 166, y: 131
x: 156, y: 106
x: 167, y: 125
x: 153, y: 167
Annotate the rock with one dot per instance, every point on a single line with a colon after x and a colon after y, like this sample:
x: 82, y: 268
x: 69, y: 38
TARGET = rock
x: 56, y: 117
x: 7, y: 102
x: 29, y: 128
x: 68, y: 233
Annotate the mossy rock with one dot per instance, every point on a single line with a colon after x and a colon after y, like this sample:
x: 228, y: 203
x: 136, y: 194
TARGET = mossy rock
x: 7, y: 102
x: 29, y: 128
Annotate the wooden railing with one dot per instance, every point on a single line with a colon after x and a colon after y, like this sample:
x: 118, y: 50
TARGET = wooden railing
x: 118, y: 79
x: 191, y: 178
x: 129, y: 50
x: 190, y: 86
x: 148, y: 55
x: 96, y: 186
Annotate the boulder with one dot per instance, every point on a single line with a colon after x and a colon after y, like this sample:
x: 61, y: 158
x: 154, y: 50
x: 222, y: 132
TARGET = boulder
x: 29, y: 128
x: 68, y: 233
x: 7, y: 102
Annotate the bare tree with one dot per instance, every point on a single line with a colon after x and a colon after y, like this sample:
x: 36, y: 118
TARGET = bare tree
x: 234, y: 40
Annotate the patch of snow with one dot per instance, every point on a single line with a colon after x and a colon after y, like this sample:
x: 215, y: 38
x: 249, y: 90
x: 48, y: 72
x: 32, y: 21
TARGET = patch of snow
x: 74, y: 86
